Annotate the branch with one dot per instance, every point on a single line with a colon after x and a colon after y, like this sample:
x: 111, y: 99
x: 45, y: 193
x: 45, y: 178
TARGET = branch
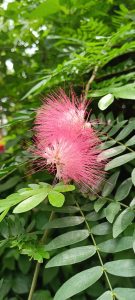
x: 90, y: 81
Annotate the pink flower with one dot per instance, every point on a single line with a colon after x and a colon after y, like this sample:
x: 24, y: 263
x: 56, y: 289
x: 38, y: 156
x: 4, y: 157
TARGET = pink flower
x: 67, y: 142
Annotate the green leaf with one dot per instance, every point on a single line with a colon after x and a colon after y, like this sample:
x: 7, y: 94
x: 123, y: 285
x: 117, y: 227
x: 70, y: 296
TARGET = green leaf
x: 105, y: 101
x: 11, y: 200
x: 64, y: 222
x: 131, y: 141
x: 42, y: 295
x: 65, y: 209
x: 107, y: 144
x: 119, y: 161
x: 126, y: 91
x: 30, y: 203
x: 116, y: 245
x: 78, y: 283
x: 56, y: 199
x: 71, y: 256
x: 110, y: 184
x: 11, y: 182
x: 20, y: 284
x: 2, y: 216
x: 62, y: 188
x: 111, y: 211
x: 125, y: 131
x: 125, y: 293
x: 123, y: 190
x: 101, y: 229
x: 99, y: 204
x: 116, y: 128
x: 67, y: 238
x: 133, y: 176
x: 123, y: 268
x: 106, y: 296
x: 39, y: 86
x: 45, y: 9
x: 111, y: 152
x: 132, y: 203
x: 123, y: 221
x: 93, y: 216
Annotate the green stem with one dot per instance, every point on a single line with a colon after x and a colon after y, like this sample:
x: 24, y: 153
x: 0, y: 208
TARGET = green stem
x: 98, y: 253
x: 37, y: 268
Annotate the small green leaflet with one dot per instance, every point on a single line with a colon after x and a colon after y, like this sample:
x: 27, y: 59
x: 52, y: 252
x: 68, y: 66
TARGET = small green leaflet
x: 116, y: 128
x: 78, y: 283
x: 123, y: 190
x: 56, y: 199
x: 101, y: 229
x: 64, y: 222
x: 123, y: 221
x: 106, y: 296
x: 111, y: 152
x: 131, y: 141
x: 116, y: 245
x: 99, y: 203
x: 2, y: 216
x: 119, y: 161
x: 110, y: 184
x: 71, y: 256
x: 123, y: 268
x: 111, y: 211
x: 67, y: 238
x: 105, y: 101
x: 125, y: 131
x: 133, y: 176
x: 125, y: 293
x: 107, y: 144
x: 62, y: 188
x: 30, y: 203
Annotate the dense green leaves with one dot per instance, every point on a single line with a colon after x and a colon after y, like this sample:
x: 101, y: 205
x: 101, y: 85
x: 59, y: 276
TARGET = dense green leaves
x: 78, y: 283
x: 88, y: 45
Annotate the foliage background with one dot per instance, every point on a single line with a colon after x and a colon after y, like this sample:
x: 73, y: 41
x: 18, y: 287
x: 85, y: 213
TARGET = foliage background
x: 45, y: 45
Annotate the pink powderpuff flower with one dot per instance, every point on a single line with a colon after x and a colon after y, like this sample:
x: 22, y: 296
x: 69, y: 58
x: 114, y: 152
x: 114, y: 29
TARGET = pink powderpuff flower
x: 58, y: 111
x: 66, y: 142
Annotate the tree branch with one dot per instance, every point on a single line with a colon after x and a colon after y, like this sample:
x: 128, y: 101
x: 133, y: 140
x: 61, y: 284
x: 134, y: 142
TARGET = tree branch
x: 90, y: 81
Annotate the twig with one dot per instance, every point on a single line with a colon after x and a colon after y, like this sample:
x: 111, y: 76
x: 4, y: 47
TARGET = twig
x: 90, y: 81
x: 37, y: 268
